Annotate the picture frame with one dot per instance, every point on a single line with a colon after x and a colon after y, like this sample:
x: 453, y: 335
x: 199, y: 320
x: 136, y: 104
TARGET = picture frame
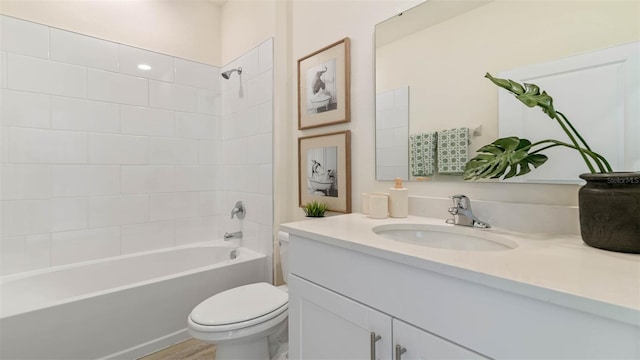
x: 324, y: 82
x: 324, y: 170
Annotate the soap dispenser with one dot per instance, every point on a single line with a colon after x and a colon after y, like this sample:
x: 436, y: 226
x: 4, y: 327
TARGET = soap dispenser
x: 398, y: 200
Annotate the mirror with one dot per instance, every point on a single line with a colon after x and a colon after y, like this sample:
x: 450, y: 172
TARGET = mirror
x: 431, y: 61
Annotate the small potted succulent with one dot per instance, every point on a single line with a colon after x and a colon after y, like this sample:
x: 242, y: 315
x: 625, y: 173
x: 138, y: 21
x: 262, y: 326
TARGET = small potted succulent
x: 315, y: 209
x: 609, y: 203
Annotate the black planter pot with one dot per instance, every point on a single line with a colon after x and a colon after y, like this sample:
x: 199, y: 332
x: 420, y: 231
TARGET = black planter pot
x: 609, y: 207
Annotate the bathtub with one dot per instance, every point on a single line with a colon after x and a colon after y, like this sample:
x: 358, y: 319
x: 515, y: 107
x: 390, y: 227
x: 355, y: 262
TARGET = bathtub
x: 117, y: 308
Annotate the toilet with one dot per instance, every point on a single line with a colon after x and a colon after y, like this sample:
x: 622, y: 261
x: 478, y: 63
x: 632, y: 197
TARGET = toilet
x: 247, y: 322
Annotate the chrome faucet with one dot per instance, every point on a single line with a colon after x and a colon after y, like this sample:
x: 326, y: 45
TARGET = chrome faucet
x: 234, y: 235
x: 239, y: 210
x: 462, y: 214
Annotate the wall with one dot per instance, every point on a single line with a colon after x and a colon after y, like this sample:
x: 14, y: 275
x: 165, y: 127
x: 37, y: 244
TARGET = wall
x: 247, y: 148
x: 101, y: 158
x: 315, y: 24
x: 186, y: 29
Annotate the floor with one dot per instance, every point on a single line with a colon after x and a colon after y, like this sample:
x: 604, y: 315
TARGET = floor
x: 191, y: 349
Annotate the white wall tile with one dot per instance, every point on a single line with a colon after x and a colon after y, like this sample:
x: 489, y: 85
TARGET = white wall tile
x: 118, y: 149
x: 197, y: 229
x: 197, y: 75
x: 265, y: 118
x: 69, y: 214
x: 209, y: 152
x: 84, y: 115
x: 173, y: 151
x: 260, y: 149
x: 148, y: 179
x: 85, y: 180
x: 46, y: 146
x: 208, y: 102
x: 266, y: 179
x: 195, y: 126
x: 3, y: 70
x: 173, y: 205
x: 265, y: 53
x: 236, y: 178
x: 25, y: 109
x: 260, y: 88
x: 266, y: 239
x: 161, y: 66
x: 209, y: 203
x: 118, y: 88
x: 234, y: 152
x: 4, y: 144
x: 247, y: 121
x: 24, y: 37
x: 20, y: 217
x: 21, y: 181
x: 74, y: 48
x: 43, y: 76
x: 148, y: 236
x: 82, y: 245
x: 196, y: 178
x: 118, y: 210
x: 138, y: 120
x: 24, y: 253
x: 173, y: 97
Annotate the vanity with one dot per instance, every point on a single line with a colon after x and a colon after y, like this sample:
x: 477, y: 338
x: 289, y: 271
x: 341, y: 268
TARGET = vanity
x: 362, y: 288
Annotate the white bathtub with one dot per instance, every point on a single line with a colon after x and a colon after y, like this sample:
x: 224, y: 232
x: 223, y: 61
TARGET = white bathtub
x: 122, y: 307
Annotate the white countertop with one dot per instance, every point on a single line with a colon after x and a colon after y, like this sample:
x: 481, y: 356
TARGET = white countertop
x: 557, y: 269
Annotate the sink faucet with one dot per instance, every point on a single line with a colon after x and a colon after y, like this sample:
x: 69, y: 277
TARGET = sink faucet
x: 462, y: 214
x: 239, y: 210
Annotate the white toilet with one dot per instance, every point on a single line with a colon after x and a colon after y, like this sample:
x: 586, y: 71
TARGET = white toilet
x: 247, y: 322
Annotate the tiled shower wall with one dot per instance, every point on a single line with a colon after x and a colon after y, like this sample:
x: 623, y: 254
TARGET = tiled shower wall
x: 100, y: 158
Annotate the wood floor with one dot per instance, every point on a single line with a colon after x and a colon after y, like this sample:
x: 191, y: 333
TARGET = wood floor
x: 191, y: 349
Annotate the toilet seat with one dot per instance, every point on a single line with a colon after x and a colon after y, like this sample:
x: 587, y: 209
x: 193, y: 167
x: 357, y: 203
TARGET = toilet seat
x: 237, y: 308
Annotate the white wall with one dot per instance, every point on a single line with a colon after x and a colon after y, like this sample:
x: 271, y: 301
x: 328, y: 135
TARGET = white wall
x: 247, y: 147
x: 315, y: 24
x: 187, y: 29
x: 102, y: 158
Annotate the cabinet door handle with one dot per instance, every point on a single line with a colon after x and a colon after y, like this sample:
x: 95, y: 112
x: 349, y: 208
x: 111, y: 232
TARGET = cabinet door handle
x: 374, y: 339
x: 399, y: 351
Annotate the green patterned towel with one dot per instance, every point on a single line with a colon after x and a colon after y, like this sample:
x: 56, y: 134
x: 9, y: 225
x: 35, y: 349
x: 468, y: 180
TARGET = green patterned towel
x: 423, y: 153
x: 453, y: 151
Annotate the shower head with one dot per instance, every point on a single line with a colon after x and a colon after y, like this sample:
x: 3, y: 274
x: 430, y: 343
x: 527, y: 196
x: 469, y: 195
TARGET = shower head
x: 227, y: 74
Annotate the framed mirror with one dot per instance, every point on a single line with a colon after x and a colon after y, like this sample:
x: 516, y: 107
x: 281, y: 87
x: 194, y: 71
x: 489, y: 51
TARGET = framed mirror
x: 431, y: 61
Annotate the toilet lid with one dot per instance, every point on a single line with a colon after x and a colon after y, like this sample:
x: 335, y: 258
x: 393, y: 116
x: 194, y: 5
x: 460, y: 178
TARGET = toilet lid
x: 239, y: 304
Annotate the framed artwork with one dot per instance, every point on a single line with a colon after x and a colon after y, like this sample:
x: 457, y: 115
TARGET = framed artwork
x: 323, y: 86
x: 324, y: 170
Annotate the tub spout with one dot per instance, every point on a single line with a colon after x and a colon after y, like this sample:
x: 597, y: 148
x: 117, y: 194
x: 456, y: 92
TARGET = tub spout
x: 234, y: 235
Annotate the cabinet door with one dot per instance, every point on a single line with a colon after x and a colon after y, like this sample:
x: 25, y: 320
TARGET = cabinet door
x: 326, y: 325
x: 420, y: 344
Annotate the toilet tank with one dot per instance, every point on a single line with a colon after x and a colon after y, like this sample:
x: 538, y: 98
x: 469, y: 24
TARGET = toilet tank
x: 283, y: 240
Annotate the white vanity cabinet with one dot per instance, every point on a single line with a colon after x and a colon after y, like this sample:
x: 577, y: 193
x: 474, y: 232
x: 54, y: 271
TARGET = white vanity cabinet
x: 331, y: 326
x: 341, y: 292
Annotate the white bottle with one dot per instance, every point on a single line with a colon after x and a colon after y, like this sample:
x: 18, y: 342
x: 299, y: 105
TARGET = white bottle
x: 398, y: 200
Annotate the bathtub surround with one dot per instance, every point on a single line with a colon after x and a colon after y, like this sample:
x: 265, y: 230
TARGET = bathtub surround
x: 102, y: 158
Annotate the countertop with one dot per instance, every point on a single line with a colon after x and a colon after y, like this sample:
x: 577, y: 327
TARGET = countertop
x: 559, y: 269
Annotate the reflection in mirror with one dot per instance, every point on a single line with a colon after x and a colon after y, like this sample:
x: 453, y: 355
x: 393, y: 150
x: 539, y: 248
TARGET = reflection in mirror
x: 440, y: 50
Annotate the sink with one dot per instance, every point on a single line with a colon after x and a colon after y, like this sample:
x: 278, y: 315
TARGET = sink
x: 445, y: 237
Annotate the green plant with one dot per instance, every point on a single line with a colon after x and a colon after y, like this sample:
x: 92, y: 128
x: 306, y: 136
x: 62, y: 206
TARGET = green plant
x: 513, y: 156
x: 315, y: 209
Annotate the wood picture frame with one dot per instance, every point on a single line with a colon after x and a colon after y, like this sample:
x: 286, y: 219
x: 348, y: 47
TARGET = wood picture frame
x: 324, y: 82
x: 324, y: 170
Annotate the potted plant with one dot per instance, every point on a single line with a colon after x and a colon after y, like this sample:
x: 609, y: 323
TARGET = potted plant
x: 609, y: 203
x: 315, y: 209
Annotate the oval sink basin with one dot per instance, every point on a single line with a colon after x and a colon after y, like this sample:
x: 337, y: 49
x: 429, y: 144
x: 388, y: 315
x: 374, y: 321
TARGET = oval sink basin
x: 445, y: 237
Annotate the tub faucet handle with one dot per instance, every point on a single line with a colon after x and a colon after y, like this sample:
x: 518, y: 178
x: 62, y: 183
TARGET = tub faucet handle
x: 239, y: 210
